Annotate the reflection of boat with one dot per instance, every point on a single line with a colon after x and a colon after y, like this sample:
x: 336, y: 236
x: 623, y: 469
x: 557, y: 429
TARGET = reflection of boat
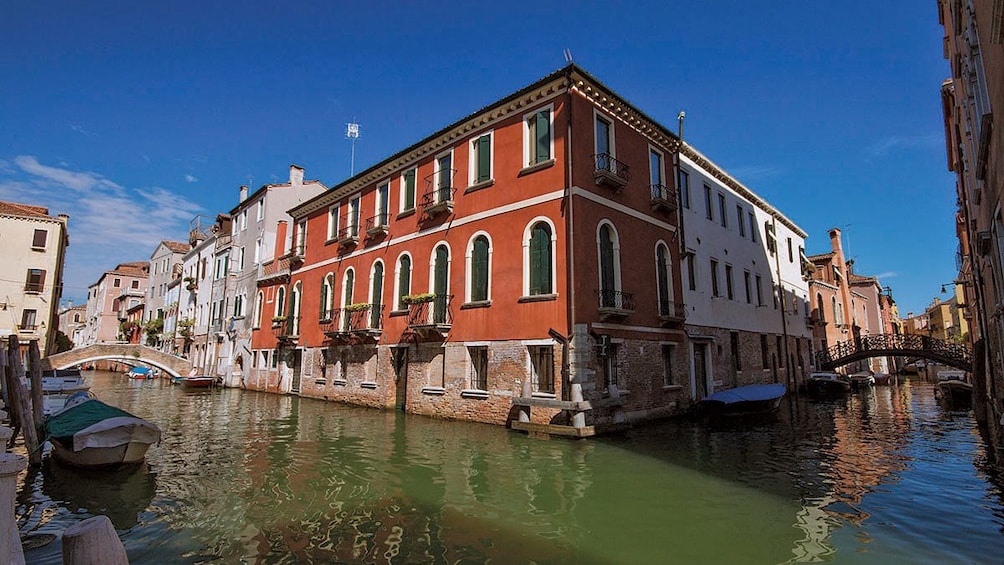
x: 881, y: 378
x: 862, y: 379
x: 954, y: 389
x: 828, y: 383
x: 140, y: 373
x: 63, y: 381
x: 90, y: 433
x: 750, y: 399
x: 121, y: 494
x: 198, y: 381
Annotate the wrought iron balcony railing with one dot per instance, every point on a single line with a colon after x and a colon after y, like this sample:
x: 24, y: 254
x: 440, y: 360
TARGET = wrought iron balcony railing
x: 663, y: 197
x: 437, y: 201
x: 377, y: 224
x: 610, y: 171
x: 434, y: 312
x: 670, y: 311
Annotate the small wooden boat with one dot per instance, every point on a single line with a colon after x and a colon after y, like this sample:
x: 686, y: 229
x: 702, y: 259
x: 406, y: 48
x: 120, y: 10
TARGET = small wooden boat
x: 953, y: 389
x: 197, y: 381
x: 743, y: 400
x: 141, y: 373
x: 862, y: 379
x: 90, y: 433
x: 63, y: 381
x: 828, y: 383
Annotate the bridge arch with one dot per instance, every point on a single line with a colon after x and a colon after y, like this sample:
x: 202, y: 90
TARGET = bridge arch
x: 127, y: 352
x: 889, y: 345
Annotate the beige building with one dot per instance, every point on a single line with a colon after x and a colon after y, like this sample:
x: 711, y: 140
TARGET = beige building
x: 32, y: 251
x: 109, y: 300
x: 72, y: 321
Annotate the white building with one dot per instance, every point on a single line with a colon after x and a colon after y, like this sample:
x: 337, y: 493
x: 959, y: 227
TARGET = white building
x: 165, y: 266
x: 744, y: 287
x: 196, y: 291
x: 32, y: 254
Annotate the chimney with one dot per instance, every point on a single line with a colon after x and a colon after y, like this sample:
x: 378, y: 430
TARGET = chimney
x: 295, y: 175
x: 280, y: 237
x: 244, y: 193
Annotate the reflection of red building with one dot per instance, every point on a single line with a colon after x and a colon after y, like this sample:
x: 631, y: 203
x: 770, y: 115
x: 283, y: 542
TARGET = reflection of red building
x: 524, y: 257
x: 133, y: 325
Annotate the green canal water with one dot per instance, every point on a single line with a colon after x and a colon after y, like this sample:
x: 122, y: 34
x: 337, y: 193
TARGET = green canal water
x: 881, y: 476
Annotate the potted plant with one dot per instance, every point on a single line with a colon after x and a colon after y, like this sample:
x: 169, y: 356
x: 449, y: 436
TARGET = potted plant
x: 418, y: 298
x: 278, y: 320
x: 357, y: 307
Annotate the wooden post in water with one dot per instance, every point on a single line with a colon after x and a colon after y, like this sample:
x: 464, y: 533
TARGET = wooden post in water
x: 22, y: 404
x: 10, y: 538
x: 93, y: 542
x: 7, y: 374
x: 35, y: 366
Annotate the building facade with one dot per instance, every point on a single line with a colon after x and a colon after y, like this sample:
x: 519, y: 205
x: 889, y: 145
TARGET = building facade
x: 110, y: 298
x: 33, y: 253
x: 165, y: 266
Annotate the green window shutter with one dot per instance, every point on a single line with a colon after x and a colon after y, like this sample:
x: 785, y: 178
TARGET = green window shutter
x: 324, y: 299
x: 543, y: 134
x: 479, y: 270
x: 404, y: 280
x: 662, y: 264
x: 540, y: 260
x: 349, y: 280
x: 409, y: 190
x: 484, y: 158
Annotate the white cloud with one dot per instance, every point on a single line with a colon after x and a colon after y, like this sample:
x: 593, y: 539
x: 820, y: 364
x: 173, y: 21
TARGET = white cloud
x: 886, y: 275
x: 745, y: 174
x: 895, y: 143
x: 190, y: 178
x: 109, y: 223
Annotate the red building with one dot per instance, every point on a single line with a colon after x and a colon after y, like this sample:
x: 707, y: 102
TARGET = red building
x: 518, y: 266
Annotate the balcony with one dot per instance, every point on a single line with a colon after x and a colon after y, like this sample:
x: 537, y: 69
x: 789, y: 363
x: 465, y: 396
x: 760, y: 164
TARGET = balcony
x: 438, y: 198
x: 377, y: 225
x: 615, y: 304
x: 353, y: 322
x: 286, y: 330
x: 671, y: 313
x: 430, y: 314
x: 610, y: 171
x: 349, y: 235
x: 27, y: 328
x: 663, y: 198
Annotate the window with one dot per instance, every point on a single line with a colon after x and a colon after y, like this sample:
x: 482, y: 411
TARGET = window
x: 542, y: 368
x: 691, y: 272
x: 746, y: 284
x: 478, y: 267
x: 481, y: 159
x: 764, y: 357
x: 707, y: 203
x: 768, y: 230
x: 604, y: 144
x: 655, y: 169
x: 538, y: 257
x: 327, y: 297
x: 259, y: 307
x: 238, y: 306
x: 39, y: 238
x: 444, y: 177
x: 741, y: 221
x: 261, y: 209
x: 667, y: 364
x: 333, y: 222
x: 479, y: 366
x: 714, y: 278
x: 244, y: 219
x: 685, y: 188
x: 280, y: 302
x: 737, y: 362
x: 376, y: 294
x: 759, y: 291
x: 300, y: 243
x: 117, y: 283
x: 403, y: 281
x: 135, y: 284
x: 35, y: 281
x: 664, y: 280
x: 609, y: 259
x: 258, y: 251
x: 441, y: 283
x: 353, y: 219
x: 28, y: 320
x: 728, y: 282
x: 240, y: 258
x: 348, y: 284
x: 723, y: 217
x: 791, y: 254
x: 382, y: 194
x: 836, y: 312
x: 538, y: 138
x: 408, y: 190
x: 752, y: 227
x: 774, y: 289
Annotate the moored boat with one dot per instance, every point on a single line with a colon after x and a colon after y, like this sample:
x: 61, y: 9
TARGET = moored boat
x: 742, y: 400
x: 828, y: 383
x: 90, y: 433
x: 197, y: 381
x: 954, y: 389
x: 140, y: 373
x: 862, y: 379
x: 881, y: 378
x: 63, y: 381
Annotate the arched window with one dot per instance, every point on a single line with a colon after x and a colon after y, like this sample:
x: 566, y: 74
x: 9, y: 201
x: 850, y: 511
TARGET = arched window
x: 259, y: 307
x: 376, y: 294
x: 538, y: 258
x: 837, y: 318
x: 664, y: 278
x: 478, y: 268
x: 348, y: 282
x: 403, y: 281
x: 441, y: 283
x: 294, y: 309
x: 820, y: 310
x: 280, y: 302
x: 327, y: 296
x: 608, y: 248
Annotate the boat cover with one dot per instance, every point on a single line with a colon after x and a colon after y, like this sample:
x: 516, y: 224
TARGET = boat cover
x: 96, y: 424
x: 749, y: 393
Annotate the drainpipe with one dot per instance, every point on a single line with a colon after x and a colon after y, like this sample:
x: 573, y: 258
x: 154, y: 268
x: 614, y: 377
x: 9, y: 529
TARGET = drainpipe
x: 679, y: 199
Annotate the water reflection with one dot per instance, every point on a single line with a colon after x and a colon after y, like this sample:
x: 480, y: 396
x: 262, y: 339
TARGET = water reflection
x: 120, y: 494
x: 260, y: 478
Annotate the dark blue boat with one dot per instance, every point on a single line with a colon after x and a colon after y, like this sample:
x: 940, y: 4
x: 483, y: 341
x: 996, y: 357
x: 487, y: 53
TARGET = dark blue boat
x: 750, y: 399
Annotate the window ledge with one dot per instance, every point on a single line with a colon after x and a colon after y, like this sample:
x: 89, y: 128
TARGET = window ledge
x: 474, y: 393
x: 543, y: 395
x: 672, y: 388
x: 535, y: 167
x: 330, y: 240
x: 434, y: 390
x: 321, y: 382
x: 368, y: 384
x: 537, y: 298
x: 42, y: 249
x: 339, y: 382
x: 396, y: 313
x: 479, y: 185
x: 478, y: 304
x: 406, y: 213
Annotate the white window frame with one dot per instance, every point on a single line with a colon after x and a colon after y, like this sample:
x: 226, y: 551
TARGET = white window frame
x: 352, y: 218
x: 526, y: 254
x: 469, y: 274
x: 437, y: 167
x: 404, y: 189
x: 261, y: 209
x: 616, y: 242
x: 382, y: 208
x: 397, y: 280
x: 333, y: 222
x: 528, y: 143
x: 472, y: 159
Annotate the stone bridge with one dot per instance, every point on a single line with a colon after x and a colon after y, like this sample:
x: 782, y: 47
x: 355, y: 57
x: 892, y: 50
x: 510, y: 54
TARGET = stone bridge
x: 888, y: 345
x: 127, y: 352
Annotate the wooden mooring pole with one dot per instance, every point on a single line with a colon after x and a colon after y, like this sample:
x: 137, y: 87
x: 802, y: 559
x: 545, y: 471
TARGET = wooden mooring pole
x: 20, y: 402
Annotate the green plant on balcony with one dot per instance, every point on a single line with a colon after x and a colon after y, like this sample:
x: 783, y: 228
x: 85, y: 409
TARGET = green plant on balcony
x: 418, y: 298
x: 185, y: 328
x: 278, y: 320
x: 357, y: 307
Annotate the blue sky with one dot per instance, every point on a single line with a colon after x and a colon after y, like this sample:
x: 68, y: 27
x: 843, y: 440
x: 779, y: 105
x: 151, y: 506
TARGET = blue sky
x: 134, y: 117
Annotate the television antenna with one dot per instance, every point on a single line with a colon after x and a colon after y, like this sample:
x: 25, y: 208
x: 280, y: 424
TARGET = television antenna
x: 352, y: 133
x: 568, y: 55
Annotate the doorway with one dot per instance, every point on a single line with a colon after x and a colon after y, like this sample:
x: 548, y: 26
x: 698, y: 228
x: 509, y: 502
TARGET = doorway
x: 399, y: 357
x: 700, y: 371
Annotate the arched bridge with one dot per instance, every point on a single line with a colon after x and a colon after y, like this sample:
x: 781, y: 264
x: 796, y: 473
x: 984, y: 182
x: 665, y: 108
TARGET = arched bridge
x: 888, y: 345
x: 128, y: 352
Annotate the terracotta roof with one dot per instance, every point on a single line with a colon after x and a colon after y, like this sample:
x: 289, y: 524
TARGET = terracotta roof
x: 177, y: 246
x: 13, y: 208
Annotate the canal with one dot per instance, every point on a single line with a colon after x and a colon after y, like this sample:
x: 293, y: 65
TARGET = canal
x: 881, y: 476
